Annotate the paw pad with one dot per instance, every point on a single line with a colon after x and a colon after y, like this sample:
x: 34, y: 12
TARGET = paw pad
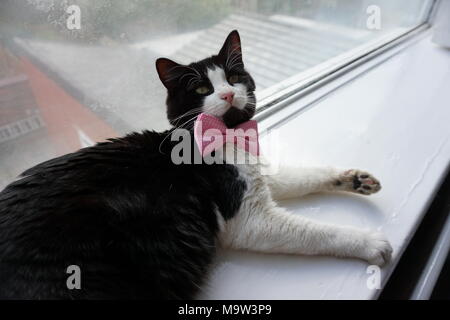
x: 359, y: 181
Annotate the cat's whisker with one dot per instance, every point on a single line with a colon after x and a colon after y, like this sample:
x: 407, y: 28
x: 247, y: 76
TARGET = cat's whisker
x: 176, y: 74
x: 240, y: 96
x: 215, y: 107
x: 192, y: 82
x: 190, y: 110
x: 188, y: 74
x: 195, y: 71
x: 182, y: 126
x: 230, y: 54
x: 234, y: 62
x: 187, y: 113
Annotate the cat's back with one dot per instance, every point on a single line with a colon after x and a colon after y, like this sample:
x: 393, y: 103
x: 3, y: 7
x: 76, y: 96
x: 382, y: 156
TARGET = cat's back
x: 88, y: 173
x: 121, y: 210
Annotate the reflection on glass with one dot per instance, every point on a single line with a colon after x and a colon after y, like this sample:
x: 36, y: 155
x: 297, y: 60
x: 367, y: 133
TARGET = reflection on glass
x: 64, y: 87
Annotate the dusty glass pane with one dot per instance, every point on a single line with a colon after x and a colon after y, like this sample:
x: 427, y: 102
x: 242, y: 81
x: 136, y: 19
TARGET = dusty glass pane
x: 64, y: 87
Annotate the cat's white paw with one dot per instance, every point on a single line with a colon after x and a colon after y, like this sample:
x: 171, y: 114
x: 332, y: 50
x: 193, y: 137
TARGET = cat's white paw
x: 377, y: 249
x: 358, y: 181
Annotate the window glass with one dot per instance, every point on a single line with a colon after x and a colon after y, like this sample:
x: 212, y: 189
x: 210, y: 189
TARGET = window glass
x: 74, y: 72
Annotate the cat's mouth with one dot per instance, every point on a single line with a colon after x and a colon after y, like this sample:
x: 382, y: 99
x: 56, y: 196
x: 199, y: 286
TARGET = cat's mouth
x: 224, y: 109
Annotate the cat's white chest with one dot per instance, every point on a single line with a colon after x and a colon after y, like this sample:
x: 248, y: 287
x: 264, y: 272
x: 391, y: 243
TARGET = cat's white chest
x: 248, y: 165
x: 257, y: 193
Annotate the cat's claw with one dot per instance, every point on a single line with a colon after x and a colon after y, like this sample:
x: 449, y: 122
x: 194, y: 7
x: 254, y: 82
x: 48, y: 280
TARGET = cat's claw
x: 358, y: 181
x: 378, y: 250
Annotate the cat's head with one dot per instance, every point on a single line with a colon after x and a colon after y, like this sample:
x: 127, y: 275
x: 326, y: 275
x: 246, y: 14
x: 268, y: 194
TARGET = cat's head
x: 218, y: 85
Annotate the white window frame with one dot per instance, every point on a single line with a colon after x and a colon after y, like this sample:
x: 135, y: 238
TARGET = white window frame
x: 279, y: 96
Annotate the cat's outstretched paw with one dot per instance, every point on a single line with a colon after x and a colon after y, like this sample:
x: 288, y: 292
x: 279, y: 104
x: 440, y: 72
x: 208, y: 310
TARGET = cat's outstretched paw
x: 358, y: 181
x: 378, y: 250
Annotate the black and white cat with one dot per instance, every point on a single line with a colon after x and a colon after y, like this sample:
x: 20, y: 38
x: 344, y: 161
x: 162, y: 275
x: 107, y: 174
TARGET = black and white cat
x: 140, y: 226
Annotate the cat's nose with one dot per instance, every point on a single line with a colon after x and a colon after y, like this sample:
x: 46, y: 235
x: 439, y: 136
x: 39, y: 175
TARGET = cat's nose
x: 228, y: 97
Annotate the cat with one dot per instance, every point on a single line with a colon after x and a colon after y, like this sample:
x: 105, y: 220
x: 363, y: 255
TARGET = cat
x: 139, y: 226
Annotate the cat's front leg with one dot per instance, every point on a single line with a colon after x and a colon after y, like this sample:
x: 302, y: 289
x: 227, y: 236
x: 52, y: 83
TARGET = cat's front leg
x: 269, y: 228
x: 291, y: 182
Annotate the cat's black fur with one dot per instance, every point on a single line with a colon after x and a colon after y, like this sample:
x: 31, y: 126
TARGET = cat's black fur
x: 137, y: 225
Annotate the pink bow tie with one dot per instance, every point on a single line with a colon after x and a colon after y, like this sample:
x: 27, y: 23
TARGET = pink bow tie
x: 211, y: 133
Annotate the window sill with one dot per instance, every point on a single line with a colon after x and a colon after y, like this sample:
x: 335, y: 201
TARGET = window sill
x: 392, y: 122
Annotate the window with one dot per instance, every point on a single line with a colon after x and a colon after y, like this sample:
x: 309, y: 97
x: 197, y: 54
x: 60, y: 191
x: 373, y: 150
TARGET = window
x: 74, y: 72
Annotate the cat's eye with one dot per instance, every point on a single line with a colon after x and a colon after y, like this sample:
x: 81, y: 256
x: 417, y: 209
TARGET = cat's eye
x: 202, y: 90
x: 233, y: 79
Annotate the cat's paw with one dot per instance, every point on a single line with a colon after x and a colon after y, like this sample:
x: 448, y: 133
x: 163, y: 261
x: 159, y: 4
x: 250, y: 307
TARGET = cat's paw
x: 358, y: 181
x: 378, y: 250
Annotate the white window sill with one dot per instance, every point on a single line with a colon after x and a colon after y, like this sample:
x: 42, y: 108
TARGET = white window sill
x: 391, y: 121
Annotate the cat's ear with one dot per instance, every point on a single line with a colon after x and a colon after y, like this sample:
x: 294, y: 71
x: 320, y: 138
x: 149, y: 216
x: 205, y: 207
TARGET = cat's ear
x: 168, y: 71
x: 231, y: 53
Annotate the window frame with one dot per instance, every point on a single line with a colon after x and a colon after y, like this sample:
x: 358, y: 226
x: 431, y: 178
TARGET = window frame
x: 277, y: 97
